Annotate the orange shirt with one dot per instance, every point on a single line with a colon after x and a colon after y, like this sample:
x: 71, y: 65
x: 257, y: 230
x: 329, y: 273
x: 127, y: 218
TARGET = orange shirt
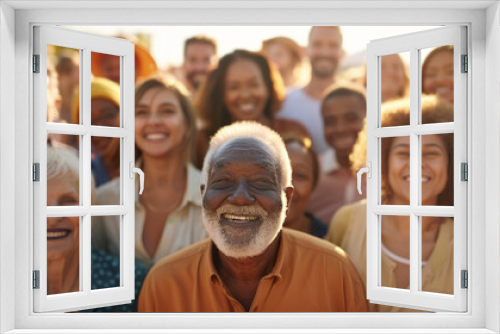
x: 310, y: 275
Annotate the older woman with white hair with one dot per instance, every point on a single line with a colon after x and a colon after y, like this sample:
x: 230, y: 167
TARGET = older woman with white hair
x: 63, y: 236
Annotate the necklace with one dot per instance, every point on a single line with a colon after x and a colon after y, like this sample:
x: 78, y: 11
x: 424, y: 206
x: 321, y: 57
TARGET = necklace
x: 397, y: 258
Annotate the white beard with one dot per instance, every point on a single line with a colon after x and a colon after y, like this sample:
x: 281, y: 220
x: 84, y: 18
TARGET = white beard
x: 242, y: 242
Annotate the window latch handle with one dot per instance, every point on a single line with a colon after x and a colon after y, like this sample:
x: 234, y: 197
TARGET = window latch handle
x: 134, y: 170
x: 368, y: 171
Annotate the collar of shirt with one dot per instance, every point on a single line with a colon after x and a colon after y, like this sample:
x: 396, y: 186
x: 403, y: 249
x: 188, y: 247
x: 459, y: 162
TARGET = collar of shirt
x: 442, y: 252
x: 213, y: 275
x: 192, y: 194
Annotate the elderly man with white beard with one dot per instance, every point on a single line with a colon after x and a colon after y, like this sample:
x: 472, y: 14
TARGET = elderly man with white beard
x: 250, y: 262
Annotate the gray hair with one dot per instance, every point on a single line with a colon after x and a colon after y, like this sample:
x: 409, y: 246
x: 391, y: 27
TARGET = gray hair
x: 256, y: 131
x: 64, y: 164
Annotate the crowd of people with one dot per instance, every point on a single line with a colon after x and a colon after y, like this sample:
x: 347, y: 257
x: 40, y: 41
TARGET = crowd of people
x: 250, y: 200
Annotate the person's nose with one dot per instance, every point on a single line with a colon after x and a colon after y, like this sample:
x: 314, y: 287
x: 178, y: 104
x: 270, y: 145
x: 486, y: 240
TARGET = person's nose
x: 440, y: 78
x: 52, y: 221
x: 245, y: 92
x: 325, y: 51
x: 338, y: 127
x: 153, y: 118
x: 241, y: 196
x: 201, y: 66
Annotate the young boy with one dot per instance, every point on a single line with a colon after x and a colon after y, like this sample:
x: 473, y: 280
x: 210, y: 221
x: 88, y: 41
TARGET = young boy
x: 343, y: 109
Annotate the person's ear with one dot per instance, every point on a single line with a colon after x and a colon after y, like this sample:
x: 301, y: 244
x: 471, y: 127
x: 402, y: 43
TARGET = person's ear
x: 202, y: 189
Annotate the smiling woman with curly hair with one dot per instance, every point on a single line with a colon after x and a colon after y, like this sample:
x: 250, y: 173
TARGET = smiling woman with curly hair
x: 348, y: 226
x: 244, y: 87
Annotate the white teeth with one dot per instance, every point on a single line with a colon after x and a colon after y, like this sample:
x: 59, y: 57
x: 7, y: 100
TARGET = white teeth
x: 57, y: 234
x: 247, y: 107
x: 237, y: 217
x: 424, y: 179
x: 155, y: 136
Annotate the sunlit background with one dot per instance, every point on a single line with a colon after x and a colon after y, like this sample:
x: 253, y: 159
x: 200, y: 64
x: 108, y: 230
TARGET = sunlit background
x: 166, y: 43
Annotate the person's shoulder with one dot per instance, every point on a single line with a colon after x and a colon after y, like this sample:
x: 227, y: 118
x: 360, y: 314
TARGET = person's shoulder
x: 296, y: 95
x: 182, y: 261
x: 314, y: 248
x: 108, y: 190
x: 348, y: 214
x: 194, y: 181
x: 318, y: 228
x: 194, y: 172
x: 356, y: 207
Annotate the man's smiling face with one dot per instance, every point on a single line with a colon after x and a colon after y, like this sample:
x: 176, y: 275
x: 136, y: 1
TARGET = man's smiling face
x: 244, y: 205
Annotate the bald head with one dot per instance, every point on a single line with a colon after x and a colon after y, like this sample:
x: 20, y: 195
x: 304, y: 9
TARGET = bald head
x: 324, y: 50
x: 333, y: 30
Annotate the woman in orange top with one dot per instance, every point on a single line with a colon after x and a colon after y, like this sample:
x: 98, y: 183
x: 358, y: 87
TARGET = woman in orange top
x: 244, y: 87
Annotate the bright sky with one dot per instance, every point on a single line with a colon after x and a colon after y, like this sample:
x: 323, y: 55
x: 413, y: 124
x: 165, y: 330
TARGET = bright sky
x: 167, y: 42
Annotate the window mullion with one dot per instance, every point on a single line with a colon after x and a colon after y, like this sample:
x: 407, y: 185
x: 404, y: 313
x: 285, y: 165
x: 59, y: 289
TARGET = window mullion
x: 415, y: 170
x: 85, y: 156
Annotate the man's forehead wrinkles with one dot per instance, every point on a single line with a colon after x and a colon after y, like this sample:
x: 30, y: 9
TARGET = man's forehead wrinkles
x: 264, y: 163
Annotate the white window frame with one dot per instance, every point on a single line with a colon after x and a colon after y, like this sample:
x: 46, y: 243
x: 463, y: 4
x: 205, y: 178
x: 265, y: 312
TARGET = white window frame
x: 85, y: 43
x: 413, y: 43
x: 15, y: 38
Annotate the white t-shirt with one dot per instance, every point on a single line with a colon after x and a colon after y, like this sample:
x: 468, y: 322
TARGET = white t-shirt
x: 301, y: 107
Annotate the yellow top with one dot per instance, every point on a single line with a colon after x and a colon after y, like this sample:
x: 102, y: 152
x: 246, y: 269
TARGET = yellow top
x: 348, y: 231
x: 309, y: 275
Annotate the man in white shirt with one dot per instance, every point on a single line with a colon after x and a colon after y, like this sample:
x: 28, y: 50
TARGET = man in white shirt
x: 324, y: 51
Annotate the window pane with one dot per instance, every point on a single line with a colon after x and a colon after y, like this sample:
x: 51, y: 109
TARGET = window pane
x: 395, y: 251
x: 437, y: 254
x: 105, y: 90
x: 438, y: 80
x: 105, y: 252
x: 63, y: 255
x: 106, y: 166
x: 63, y: 172
x: 395, y: 169
x: 395, y: 81
x: 63, y: 75
x: 437, y: 169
